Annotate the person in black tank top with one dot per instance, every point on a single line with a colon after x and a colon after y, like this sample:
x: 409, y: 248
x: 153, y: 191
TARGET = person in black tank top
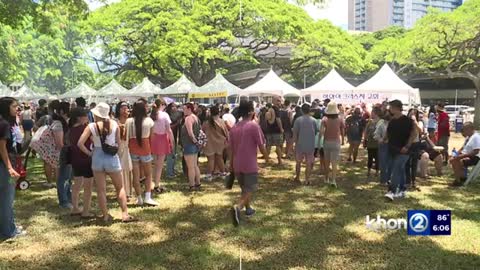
x: 274, y: 132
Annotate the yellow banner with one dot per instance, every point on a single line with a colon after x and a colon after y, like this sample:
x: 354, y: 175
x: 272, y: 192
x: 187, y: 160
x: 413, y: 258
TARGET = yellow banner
x: 208, y: 95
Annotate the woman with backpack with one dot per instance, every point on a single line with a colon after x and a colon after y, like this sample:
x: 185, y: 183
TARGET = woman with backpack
x: 81, y: 164
x: 371, y: 143
x: 139, y: 131
x: 8, y: 152
x: 162, y: 139
x: 217, y: 135
x: 105, y: 161
x: 61, y: 137
x: 189, y: 139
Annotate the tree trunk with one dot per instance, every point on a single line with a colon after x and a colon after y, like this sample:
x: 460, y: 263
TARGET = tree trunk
x: 476, y: 120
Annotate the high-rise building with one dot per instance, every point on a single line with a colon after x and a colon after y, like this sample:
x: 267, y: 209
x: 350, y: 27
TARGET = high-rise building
x: 374, y: 15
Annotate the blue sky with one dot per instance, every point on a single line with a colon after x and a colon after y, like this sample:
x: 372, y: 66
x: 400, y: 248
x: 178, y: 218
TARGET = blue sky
x: 335, y: 10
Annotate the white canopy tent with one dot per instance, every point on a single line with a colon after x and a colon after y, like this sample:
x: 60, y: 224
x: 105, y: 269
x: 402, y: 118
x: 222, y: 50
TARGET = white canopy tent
x: 27, y: 94
x: 145, y: 89
x: 333, y: 86
x: 385, y: 84
x: 112, y: 89
x: 271, y: 85
x: 181, y: 87
x: 218, y: 87
x: 82, y: 90
x: 5, y: 91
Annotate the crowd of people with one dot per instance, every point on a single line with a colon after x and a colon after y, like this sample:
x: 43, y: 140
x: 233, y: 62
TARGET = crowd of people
x: 132, y: 143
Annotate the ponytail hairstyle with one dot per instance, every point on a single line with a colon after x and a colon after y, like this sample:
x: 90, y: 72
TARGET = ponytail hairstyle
x: 159, y: 102
x: 214, y: 111
x: 139, y: 113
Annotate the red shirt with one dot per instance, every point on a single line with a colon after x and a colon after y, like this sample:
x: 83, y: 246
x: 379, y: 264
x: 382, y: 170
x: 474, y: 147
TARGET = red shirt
x: 443, y: 124
x: 245, y: 138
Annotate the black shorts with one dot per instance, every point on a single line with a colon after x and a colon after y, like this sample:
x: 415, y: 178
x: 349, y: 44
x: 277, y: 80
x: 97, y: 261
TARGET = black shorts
x: 472, y: 161
x: 85, y: 172
x: 248, y: 182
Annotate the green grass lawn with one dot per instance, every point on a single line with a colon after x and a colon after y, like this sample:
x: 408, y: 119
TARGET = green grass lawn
x: 296, y: 227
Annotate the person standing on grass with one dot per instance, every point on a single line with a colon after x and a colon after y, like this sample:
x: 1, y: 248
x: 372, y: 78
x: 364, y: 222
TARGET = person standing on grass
x: 371, y: 143
x: 304, y: 131
x: 414, y: 153
x: 286, y: 116
x: 380, y: 136
x: 469, y: 154
x: 162, y: 139
x: 121, y: 116
x: 331, y: 130
x: 8, y: 152
x: 401, y: 134
x: 139, y: 131
x: 188, y: 137
x: 176, y: 118
x: 443, y: 131
x: 274, y: 132
x: 61, y: 137
x: 105, y: 164
x: 245, y: 138
x: 81, y: 163
x: 217, y: 135
x: 432, y: 122
x: 354, y: 125
x: 317, y: 115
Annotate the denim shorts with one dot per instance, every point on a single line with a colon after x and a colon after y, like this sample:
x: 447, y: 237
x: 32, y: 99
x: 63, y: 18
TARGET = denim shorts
x: 102, y: 162
x: 141, y: 159
x: 190, y: 149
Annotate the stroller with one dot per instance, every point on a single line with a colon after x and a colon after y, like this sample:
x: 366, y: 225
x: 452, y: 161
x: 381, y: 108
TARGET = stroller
x: 21, y: 163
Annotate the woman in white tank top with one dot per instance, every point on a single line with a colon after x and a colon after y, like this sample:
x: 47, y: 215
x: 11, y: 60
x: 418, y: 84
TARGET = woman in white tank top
x: 104, y: 164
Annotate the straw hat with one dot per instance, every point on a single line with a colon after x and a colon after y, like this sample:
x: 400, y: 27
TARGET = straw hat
x: 332, y: 108
x: 102, y: 110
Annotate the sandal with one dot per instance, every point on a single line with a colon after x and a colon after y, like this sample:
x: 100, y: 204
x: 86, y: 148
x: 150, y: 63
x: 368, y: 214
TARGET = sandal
x: 129, y: 219
x: 88, y: 216
x: 107, y: 219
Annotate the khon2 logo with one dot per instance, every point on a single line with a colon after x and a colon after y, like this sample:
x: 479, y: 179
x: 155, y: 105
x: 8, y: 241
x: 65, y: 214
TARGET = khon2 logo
x: 418, y: 222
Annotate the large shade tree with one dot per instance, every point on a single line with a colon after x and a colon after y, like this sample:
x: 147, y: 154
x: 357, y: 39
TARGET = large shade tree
x: 447, y: 45
x: 161, y: 39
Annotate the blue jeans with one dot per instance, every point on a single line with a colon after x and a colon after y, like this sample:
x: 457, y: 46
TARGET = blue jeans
x: 398, y: 172
x: 171, y: 158
x: 64, y: 191
x: 7, y: 195
x: 384, y: 162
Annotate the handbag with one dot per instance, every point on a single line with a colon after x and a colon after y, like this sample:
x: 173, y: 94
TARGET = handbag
x: 107, y: 149
x: 229, y: 180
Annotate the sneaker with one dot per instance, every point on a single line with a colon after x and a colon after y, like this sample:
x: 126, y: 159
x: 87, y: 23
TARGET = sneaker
x: 207, y: 178
x: 66, y: 206
x: 390, y: 195
x: 249, y: 212
x: 235, y: 215
x: 333, y: 184
x: 400, y: 195
x: 150, y: 202
x: 139, y: 201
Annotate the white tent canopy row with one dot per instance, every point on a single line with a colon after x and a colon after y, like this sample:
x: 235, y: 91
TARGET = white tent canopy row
x: 112, y: 89
x: 145, y: 89
x: 217, y: 87
x: 4, y: 90
x: 384, y: 85
x: 182, y: 86
x: 82, y: 90
x: 271, y: 85
x: 25, y: 93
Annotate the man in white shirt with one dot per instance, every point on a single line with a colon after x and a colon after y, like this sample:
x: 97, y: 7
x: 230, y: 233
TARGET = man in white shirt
x: 469, y: 154
x: 229, y: 118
